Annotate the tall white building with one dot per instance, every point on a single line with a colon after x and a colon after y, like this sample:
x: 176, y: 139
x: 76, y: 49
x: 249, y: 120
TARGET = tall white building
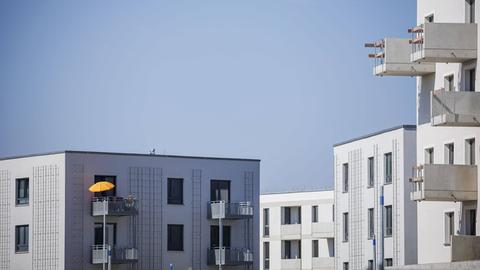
x: 442, y: 52
x: 372, y: 230
x: 158, y: 213
x: 297, y: 230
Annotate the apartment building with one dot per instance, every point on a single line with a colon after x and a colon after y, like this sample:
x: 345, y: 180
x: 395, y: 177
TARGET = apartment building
x: 375, y: 220
x: 442, y: 53
x: 297, y: 230
x: 159, y: 213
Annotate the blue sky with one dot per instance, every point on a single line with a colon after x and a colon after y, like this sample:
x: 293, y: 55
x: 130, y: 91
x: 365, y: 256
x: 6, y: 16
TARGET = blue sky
x: 279, y: 80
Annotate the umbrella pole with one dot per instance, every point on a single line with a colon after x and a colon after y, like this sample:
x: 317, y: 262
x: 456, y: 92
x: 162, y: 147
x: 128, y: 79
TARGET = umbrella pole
x: 104, y: 231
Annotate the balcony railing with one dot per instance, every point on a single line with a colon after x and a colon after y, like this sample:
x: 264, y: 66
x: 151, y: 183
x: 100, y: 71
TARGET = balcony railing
x: 232, y: 210
x: 323, y: 229
x: 229, y: 256
x: 392, y: 58
x: 291, y: 231
x: 323, y: 263
x: 118, y: 255
x: 465, y: 248
x: 292, y: 264
x: 444, y: 42
x: 455, y: 108
x: 114, y: 206
x: 444, y: 182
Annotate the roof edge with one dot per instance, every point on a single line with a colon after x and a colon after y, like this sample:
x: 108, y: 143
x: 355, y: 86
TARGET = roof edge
x: 124, y: 154
x: 406, y: 127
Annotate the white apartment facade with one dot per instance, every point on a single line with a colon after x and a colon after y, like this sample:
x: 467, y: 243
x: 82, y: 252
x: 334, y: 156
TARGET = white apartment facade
x: 364, y: 169
x: 442, y: 53
x: 297, y: 230
x: 157, y: 215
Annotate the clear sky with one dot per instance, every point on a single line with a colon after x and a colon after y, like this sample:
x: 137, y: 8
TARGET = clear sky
x: 278, y: 80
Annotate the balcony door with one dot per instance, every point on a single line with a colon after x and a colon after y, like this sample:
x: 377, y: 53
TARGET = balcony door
x: 220, y: 190
x: 108, y: 178
x: 111, y: 234
x: 214, y: 236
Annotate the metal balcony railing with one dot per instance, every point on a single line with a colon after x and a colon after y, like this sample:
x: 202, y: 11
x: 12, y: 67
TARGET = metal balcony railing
x: 229, y: 256
x: 444, y: 182
x: 115, y: 206
x: 455, y: 108
x: 443, y: 42
x: 119, y: 255
x: 232, y: 210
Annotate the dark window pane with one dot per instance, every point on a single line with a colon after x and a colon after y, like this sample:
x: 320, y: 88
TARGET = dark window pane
x: 214, y: 236
x: 22, y: 192
x: 21, y: 238
x: 175, y: 191
x: 175, y: 237
x: 388, y: 168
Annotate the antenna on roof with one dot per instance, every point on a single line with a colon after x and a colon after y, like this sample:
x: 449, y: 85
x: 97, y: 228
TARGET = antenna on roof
x: 152, y: 152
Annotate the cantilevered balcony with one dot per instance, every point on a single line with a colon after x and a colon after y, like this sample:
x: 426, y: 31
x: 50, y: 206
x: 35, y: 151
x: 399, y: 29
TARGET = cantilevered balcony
x: 232, y: 210
x: 444, y: 182
x: 229, y: 256
x: 455, y: 108
x: 114, y: 206
x: 118, y: 255
x: 323, y: 229
x: 444, y: 42
x: 392, y: 58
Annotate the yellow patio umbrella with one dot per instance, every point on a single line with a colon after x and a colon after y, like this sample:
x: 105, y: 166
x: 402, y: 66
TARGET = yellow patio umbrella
x: 101, y: 186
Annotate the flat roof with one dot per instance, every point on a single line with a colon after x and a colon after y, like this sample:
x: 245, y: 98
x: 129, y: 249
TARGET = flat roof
x: 125, y: 154
x: 296, y: 191
x: 406, y: 127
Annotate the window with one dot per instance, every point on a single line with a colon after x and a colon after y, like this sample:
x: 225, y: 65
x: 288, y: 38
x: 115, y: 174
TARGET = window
x: 449, y: 153
x: 345, y: 227
x: 345, y: 177
x: 175, y: 237
x: 110, y: 234
x: 388, y: 168
x: 315, y: 213
x: 448, y: 83
x: 215, y: 234
x: 470, y: 11
x: 429, y: 18
x: 429, y: 156
x: 291, y: 249
x: 220, y: 190
x: 471, y: 220
x: 266, y: 222
x: 371, y: 174
x: 345, y: 266
x: 175, y: 191
x: 470, y: 152
x: 107, y: 178
x: 371, y: 232
x: 291, y: 215
x: 388, y: 220
x: 21, y: 238
x: 315, y: 248
x: 370, y: 265
x: 388, y: 262
x: 266, y: 255
x: 470, y: 79
x: 22, y: 191
x: 449, y: 228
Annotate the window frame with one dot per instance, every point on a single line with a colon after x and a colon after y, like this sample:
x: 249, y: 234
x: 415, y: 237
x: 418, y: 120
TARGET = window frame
x: 172, y: 197
x: 470, y: 151
x: 25, y: 200
x: 430, y: 154
x: 450, y: 153
x: 345, y: 178
x: 266, y: 222
x: 371, y: 223
x: 314, y: 213
x: 315, y: 249
x: 388, y: 222
x: 449, y: 227
x: 345, y: 229
x: 266, y: 255
x: 22, y: 246
x: 171, y: 239
x: 370, y: 172
x: 215, y: 187
x: 388, y: 168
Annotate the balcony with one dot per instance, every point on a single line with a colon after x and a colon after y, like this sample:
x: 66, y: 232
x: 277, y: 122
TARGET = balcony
x: 444, y: 42
x: 392, y: 58
x: 455, y: 108
x: 444, y: 182
x: 293, y: 264
x: 291, y: 231
x: 322, y: 229
x: 118, y: 255
x: 465, y: 248
x: 230, y: 210
x: 323, y: 263
x: 115, y: 206
x: 229, y: 256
